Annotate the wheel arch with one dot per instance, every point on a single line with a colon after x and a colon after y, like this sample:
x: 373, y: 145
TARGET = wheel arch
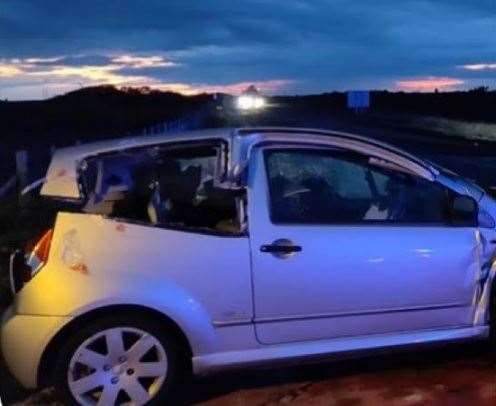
x: 45, y: 372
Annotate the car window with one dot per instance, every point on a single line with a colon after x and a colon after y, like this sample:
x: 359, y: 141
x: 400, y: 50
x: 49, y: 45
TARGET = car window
x: 313, y: 186
x: 161, y: 186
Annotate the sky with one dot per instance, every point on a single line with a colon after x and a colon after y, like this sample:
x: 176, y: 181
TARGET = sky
x: 50, y: 47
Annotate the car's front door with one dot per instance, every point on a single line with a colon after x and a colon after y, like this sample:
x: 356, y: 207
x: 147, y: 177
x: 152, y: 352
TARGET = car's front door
x: 346, y: 245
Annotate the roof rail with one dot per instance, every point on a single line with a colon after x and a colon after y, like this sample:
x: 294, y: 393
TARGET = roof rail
x: 349, y: 136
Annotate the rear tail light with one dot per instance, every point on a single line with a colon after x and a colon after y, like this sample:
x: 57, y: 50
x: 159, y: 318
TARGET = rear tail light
x: 24, y: 265
x: 39, y: 254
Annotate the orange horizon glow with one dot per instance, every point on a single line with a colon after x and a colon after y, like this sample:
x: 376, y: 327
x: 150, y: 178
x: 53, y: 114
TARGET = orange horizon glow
x: 429, y: 84
x: 131, y: 70
x: 264, y: 86
x: 52, y: 73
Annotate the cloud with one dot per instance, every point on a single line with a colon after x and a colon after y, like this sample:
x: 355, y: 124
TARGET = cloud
x: 429, y: 84
x: 319, y: 45
x: 8, y: 70
x: 55, y: 75
x: 42, y: 61
x: 55, y: 70
x: 480, y: 67
x: 92, y: 74
x: 141, y: 62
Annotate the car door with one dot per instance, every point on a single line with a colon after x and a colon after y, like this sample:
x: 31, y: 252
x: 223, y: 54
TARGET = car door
x: 346, y: 245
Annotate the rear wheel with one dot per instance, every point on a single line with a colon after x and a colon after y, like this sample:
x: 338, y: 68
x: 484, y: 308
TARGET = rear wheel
x: 120, y: 361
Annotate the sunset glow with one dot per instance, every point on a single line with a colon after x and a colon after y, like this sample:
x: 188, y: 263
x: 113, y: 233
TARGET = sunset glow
x: 287, y: 48
x: 58, y: 75
x: 429, y: 84
x: 267, y: 86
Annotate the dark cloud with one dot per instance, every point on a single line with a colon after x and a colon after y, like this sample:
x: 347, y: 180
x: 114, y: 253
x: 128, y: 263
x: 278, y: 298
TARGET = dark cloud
x: 318, y: 44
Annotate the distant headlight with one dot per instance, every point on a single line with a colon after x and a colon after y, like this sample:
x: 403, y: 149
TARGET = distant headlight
x: 250, y: 102
x: 258, y: 102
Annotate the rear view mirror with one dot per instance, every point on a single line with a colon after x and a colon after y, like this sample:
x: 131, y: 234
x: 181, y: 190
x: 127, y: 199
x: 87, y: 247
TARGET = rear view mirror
x: 464, y: 211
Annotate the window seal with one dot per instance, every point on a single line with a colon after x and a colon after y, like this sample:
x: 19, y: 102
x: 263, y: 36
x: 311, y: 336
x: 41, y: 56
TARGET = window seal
x: 191, y: 230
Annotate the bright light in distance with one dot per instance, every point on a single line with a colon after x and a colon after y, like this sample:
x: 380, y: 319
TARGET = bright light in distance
x: 258, y: 102
x: 250, y: 102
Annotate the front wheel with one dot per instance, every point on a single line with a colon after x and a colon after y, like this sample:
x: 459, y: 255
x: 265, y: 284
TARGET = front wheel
x: 119, y: 361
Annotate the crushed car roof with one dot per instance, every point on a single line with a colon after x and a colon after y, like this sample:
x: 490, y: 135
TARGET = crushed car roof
x: 62, y: 175
x: 61, y: 178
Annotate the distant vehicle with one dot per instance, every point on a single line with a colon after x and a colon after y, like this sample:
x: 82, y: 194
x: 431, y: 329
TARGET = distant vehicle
x: 250, y: 100
x: 217, y: 249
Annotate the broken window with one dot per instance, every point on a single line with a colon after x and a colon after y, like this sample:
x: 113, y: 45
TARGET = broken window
x: 311, y: 186
x: 163, y: 186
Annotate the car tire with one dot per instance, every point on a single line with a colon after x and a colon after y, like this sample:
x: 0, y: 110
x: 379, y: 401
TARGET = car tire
x: 82, y: 362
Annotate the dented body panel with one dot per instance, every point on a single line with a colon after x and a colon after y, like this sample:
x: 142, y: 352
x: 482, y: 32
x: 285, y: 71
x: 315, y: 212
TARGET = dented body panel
x: 350, y: 287
x: 146, y: 266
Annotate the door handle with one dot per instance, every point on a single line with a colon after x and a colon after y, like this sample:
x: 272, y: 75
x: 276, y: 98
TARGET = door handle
x: 281, y: 248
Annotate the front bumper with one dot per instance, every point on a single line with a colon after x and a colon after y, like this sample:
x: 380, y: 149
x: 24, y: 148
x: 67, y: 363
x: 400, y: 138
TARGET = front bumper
x: 23, y: 340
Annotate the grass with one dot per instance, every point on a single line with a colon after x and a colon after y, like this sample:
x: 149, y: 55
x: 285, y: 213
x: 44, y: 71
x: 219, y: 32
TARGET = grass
x: 444, y: 127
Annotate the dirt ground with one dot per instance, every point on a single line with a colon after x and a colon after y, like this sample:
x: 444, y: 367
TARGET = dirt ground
x: 463, y: 374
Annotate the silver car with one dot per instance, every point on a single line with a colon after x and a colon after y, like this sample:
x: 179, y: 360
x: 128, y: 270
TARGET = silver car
x: 203, y: 251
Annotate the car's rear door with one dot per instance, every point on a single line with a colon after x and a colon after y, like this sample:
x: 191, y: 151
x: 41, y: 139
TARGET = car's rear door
x: 346, y: 245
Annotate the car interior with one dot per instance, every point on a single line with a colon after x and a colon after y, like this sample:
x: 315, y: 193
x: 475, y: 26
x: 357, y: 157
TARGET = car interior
x: 162, y: 187
x: 308, y: 187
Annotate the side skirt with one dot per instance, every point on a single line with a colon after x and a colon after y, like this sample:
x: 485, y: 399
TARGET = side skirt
x: 271, y: 354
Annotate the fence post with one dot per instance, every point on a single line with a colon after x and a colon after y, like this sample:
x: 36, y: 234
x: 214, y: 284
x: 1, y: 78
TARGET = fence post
x: 22, y: 173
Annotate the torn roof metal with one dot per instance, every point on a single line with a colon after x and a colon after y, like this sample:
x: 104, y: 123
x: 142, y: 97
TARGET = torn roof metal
x: 62, y: 175
x: 62, y: 179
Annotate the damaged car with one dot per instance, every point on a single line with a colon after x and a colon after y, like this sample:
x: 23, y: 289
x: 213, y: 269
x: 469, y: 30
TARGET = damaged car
x: 204, y: 251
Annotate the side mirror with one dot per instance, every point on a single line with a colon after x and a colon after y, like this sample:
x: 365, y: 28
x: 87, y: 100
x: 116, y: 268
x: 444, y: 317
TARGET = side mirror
x: 464, y: 211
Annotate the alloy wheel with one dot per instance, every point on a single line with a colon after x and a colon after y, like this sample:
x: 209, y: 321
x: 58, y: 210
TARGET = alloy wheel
x: 117, y: 366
